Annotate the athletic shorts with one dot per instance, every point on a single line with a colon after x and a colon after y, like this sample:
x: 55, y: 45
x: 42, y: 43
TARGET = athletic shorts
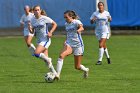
x: 27, y: 33
x: 77, y: 50
x: 45, y: 44
x: 100, y: 35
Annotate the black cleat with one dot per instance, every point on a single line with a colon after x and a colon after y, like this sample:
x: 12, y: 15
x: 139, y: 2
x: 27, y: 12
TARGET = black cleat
x: 108, y: 60
x: 99, y: 63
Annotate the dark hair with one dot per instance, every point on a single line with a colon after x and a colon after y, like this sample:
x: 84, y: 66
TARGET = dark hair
x: 100, y: 3
x: 36, y: 6
x: 72, y: 14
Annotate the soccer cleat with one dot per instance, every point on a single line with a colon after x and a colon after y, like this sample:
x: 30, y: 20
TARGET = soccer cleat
x: 86, y: 73
x: 57, y: 77
x: 108, y: 60
x: 99, y: 63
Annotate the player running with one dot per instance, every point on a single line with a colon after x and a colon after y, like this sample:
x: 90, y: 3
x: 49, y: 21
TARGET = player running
x: 24, y: 24
x: 101, y: 19
x: 73, y: 44
x: 39, y: 26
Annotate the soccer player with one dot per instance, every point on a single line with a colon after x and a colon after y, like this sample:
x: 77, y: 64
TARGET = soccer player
x: 73, y: 44
x: 39, y: 26
x: 101, y: 19
x: 24, y: 24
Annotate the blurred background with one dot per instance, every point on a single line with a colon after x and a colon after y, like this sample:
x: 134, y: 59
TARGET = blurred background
x: 125, y: 15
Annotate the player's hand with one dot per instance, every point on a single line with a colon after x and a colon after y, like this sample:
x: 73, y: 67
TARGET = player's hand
x: 49, y: 34
x: 109, y: 19
x: 93, y: 20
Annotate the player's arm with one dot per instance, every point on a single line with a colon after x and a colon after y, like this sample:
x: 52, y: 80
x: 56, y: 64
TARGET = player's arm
x: 21, y: 23
x: 31, y: 29
x: 109, y: 19
x: 54, y: 25
x: 93, y: 20
x: 80, y: 28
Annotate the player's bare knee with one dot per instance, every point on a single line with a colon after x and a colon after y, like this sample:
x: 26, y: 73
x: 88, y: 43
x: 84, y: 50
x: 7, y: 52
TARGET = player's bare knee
x: 101, y: 45
x: 28, y: 44
x: 62, y: 56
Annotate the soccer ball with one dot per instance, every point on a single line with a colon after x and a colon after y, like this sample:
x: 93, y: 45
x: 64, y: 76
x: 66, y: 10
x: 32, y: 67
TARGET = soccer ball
x: 49, y: 77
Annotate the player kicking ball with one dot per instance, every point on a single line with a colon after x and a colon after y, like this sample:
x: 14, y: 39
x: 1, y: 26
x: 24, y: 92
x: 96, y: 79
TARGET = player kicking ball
x: 73, y: 44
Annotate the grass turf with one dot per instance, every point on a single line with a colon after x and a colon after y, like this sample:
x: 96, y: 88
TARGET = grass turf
x: 22, y: 73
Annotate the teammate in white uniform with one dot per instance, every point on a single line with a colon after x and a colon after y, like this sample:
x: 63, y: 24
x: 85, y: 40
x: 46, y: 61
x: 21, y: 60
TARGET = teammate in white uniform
x: 73, y: 44
x: 39, y: 26
x: 101, y: 19
x: 24, y: 24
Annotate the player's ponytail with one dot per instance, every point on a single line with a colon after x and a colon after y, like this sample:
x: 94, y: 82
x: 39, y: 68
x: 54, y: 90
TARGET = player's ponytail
x: 72, y: 14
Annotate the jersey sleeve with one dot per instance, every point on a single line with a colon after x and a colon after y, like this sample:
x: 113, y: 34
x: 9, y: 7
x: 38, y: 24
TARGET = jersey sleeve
x: 92, y: 16
x: 79, y: 22
x: 108, y: 14
x: 48, y: 20
x: 22, y: 19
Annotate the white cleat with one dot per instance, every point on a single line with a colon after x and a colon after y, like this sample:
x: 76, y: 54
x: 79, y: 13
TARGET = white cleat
x: 86, y: 73
x: 57, y: 77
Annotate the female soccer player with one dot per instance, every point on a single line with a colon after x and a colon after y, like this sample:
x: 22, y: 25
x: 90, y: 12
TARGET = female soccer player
x: 24, y: 24
x: 73, y: 44
x: 101, y: 19
x: 39, y: 26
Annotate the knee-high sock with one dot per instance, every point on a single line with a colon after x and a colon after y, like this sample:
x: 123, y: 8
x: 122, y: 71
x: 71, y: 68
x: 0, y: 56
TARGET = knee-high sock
x: 101, y: 53
x: 106, y: 52
x: 83, y: 68
x: 48, y: 62
x: 59, y: 65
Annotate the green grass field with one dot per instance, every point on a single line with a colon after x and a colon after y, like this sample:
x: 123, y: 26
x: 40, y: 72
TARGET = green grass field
x: 22, y: 73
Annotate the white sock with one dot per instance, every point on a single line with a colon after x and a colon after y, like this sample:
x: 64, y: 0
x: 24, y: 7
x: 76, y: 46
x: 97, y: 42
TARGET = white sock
x: 44, y: 57
x: 48, y: 62
x: 101, y: 53
x: 106, y: 52
x: 32, y: 49
x: 59, y: 66
x: 83, y: 68
x: 52, y: 69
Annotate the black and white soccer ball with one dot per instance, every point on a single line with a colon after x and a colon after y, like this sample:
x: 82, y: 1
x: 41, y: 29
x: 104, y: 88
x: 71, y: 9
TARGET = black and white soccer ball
x: 49, y: 77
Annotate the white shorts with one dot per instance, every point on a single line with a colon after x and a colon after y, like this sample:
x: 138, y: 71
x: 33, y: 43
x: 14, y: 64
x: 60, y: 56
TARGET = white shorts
x: 27, y: 33
x: 45, y: 44
x: 78, y: 50
x: 100, y: 35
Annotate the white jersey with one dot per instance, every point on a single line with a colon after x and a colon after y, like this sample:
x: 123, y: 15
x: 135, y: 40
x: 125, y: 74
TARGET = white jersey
x: 74, y: 38
x: 41, y: 27
x: 25, y: 19
x: 101, y: 21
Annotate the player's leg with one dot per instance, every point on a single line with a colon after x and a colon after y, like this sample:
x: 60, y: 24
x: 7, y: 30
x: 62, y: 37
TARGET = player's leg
x: 39, y: 53
x: 67, y: 50
x: 101, y: 50
x: 49, y: 63
x: 79, y: 66
x: 78, y: 54
x: 107, y: 54
x: 28, y: 40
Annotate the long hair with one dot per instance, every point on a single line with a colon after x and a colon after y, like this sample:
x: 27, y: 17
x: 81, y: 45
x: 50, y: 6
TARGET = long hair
x: 72, y: 14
